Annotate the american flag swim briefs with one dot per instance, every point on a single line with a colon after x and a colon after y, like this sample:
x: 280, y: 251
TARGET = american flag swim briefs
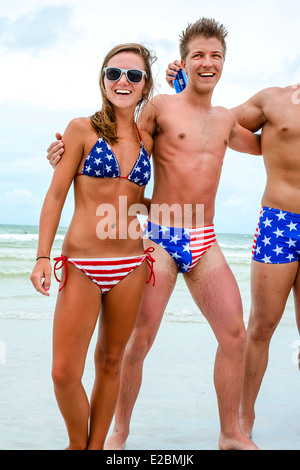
x: 185, y: 245
x: 277, y: 237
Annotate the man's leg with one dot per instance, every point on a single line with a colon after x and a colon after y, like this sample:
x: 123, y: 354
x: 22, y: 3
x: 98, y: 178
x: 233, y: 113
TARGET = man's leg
x: 270, y: 288
x: 296, y: 291
x: 216, y: 293
x: 147, y: 325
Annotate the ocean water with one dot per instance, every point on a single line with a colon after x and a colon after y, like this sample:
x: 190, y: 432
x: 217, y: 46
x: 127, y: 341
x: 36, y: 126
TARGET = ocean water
x: 19, y: 300
x: 177, y: 406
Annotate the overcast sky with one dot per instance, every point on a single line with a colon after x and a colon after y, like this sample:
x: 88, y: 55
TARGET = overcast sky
x: 50, y: 56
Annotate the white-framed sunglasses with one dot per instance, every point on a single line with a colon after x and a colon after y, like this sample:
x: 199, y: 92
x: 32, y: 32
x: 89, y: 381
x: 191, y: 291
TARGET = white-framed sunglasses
x: 113, y: 74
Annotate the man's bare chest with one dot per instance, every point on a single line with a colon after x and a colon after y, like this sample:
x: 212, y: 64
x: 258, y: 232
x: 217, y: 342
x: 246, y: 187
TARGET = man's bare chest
x: 283, y: 120
x: 200, y: 135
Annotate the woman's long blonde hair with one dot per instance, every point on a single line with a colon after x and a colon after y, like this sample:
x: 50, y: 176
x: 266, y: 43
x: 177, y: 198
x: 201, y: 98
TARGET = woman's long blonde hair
x: 104, y: 121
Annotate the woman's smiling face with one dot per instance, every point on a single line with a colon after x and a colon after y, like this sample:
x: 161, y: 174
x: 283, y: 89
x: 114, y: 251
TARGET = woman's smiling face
x: 123, y: 93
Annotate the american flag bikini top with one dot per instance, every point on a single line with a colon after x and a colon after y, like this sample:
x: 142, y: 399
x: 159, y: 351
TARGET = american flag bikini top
x: 101, y: 162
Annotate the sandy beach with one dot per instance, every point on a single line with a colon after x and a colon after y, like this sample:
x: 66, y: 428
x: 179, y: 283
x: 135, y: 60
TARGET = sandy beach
x: 177, y: 406
x: 176, y: 409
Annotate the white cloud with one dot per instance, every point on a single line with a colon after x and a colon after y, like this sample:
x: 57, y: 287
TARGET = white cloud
x: 34, y: 31
x: 233, y: 201
x: 19, y: 194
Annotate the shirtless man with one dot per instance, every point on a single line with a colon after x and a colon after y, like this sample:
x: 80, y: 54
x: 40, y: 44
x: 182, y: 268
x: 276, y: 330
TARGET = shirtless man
x: 190, y: 141
x: 276, y: 248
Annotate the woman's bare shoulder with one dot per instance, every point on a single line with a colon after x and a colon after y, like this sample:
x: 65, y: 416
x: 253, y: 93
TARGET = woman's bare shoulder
x: 80, y: 124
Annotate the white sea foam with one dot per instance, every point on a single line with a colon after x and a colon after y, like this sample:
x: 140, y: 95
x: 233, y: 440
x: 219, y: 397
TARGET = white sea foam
x: 24, y: 237
x: 244, y: 246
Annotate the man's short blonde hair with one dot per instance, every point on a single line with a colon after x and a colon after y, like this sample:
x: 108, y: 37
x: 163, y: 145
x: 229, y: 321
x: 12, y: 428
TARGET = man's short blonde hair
x: 207, y: 27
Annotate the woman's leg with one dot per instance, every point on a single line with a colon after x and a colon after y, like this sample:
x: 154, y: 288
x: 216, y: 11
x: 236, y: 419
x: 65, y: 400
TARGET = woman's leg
x: 76, y: 313
x: 119, y: 312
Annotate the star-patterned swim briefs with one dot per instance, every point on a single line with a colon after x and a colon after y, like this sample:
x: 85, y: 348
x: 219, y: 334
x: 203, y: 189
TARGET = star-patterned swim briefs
x: 277, y: 237
x: 185, y: 245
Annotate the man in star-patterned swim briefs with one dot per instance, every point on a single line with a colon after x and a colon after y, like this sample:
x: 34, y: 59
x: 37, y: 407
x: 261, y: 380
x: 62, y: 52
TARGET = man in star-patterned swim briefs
x: 277, y: 237
x: 275, y: 273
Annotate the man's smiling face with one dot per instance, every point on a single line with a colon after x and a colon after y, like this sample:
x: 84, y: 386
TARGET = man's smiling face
x: 204, y: 63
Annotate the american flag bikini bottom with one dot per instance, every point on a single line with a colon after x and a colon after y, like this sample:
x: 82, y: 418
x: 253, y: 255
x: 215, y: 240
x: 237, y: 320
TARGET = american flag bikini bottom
x: 277, y: 237
x: 185, y: 245
x: 105, y: 272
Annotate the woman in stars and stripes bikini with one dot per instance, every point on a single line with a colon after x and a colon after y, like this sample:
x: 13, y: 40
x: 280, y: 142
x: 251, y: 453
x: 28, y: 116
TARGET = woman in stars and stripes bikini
x: 106, y: 157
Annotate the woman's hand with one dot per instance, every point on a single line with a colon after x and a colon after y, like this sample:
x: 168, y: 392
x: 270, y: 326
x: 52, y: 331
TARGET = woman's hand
x: 41, y: 276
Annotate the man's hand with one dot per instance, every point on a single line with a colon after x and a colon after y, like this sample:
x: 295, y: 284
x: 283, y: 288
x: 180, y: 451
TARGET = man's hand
x: 55, y: 150
x: 171, y: 72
